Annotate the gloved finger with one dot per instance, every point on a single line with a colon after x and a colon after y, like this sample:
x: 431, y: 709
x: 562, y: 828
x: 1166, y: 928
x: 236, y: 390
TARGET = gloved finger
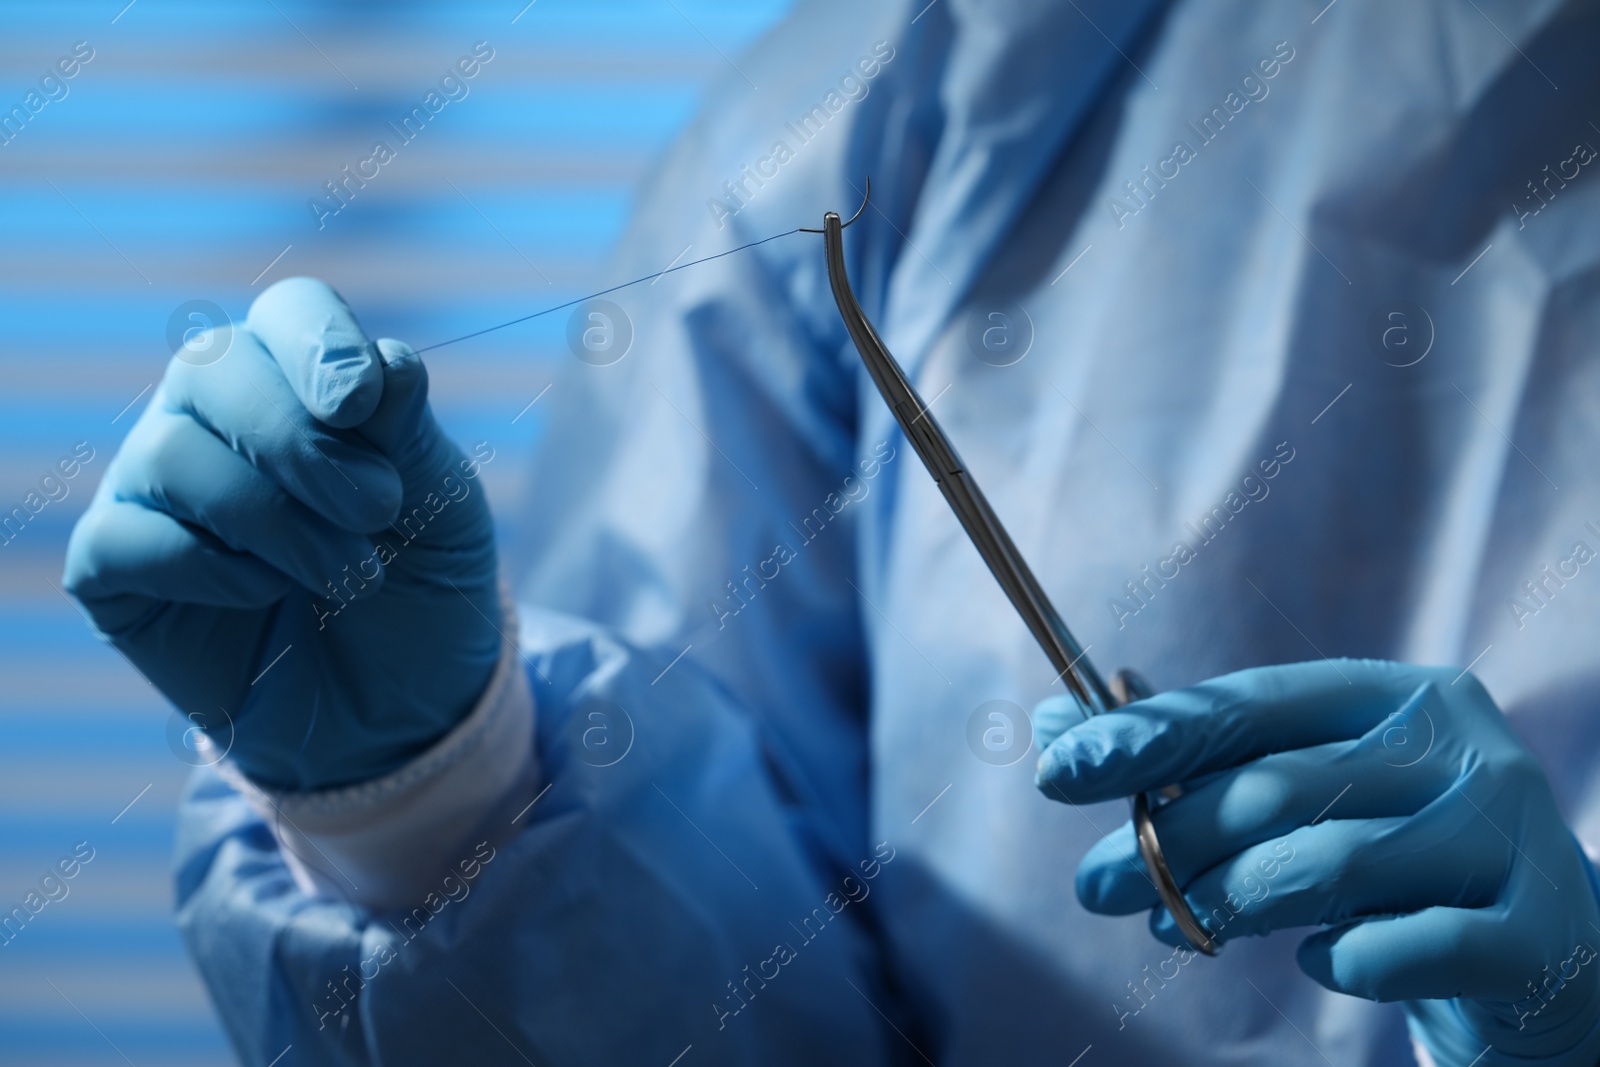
x: 325, y: 355
x: 444, y: 524
x: 246, y: 400
x: 170, y: 463
x: 1264, y: 799
x: 1202, y: 828
x: 1342, y: 870
x: 120, y: 548
x: 1054, y: 716
x: 403, y: 427
x: 1495, y: 951
x: 1180, y: 735
x: 1433, y: 954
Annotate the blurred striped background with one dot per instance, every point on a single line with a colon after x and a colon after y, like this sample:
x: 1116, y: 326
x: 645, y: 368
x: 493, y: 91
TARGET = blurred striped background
x: 178, y: 166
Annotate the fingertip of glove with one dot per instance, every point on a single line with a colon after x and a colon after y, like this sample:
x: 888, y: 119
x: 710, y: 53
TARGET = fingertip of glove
x: 387, y: 496
x: 1054, y: 716
x: 1315, y: 957
x: 313, y: 335
x: 395, y: 352
x: 403, y: 370
x: 1052, y: 774
x: 1112, y: 879
x: 1096, y: 887
x: 1165, y: 929
x: 1068, y: 768
x: 77, y: 570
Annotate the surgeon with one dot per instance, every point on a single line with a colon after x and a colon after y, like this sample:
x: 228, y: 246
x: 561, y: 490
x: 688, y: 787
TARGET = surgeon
x: 1269, y: 330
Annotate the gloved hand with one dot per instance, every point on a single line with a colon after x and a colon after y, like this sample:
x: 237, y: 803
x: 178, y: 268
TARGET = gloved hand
x: 292, y: 551
x: 1389, y: 803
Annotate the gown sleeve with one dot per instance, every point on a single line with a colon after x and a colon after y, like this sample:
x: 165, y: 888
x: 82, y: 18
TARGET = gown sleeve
x: 656, y: 897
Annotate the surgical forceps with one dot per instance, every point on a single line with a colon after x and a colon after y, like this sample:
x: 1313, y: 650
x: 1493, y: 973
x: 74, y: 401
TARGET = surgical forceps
x: 998, y: 551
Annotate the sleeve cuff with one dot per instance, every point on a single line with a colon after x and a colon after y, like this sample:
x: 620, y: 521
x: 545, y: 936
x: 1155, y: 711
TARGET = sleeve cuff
x: 385, y: 843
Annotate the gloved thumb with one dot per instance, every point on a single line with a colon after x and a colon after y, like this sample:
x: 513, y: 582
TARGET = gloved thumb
x: 321, y: 349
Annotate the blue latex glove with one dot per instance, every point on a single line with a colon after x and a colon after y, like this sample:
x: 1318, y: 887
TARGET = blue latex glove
x: 244, y: 514
x: 1390, y: 803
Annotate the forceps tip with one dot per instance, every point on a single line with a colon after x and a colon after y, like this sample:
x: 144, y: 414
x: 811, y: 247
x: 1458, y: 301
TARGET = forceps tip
x: 865, y: 199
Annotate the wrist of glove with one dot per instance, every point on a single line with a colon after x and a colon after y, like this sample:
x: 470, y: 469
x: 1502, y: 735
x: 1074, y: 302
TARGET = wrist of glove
x: 289, y: 547
x: 1392, y: 806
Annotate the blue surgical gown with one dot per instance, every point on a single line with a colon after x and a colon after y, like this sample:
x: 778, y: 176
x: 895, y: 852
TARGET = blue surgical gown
x: 1269, y: 331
